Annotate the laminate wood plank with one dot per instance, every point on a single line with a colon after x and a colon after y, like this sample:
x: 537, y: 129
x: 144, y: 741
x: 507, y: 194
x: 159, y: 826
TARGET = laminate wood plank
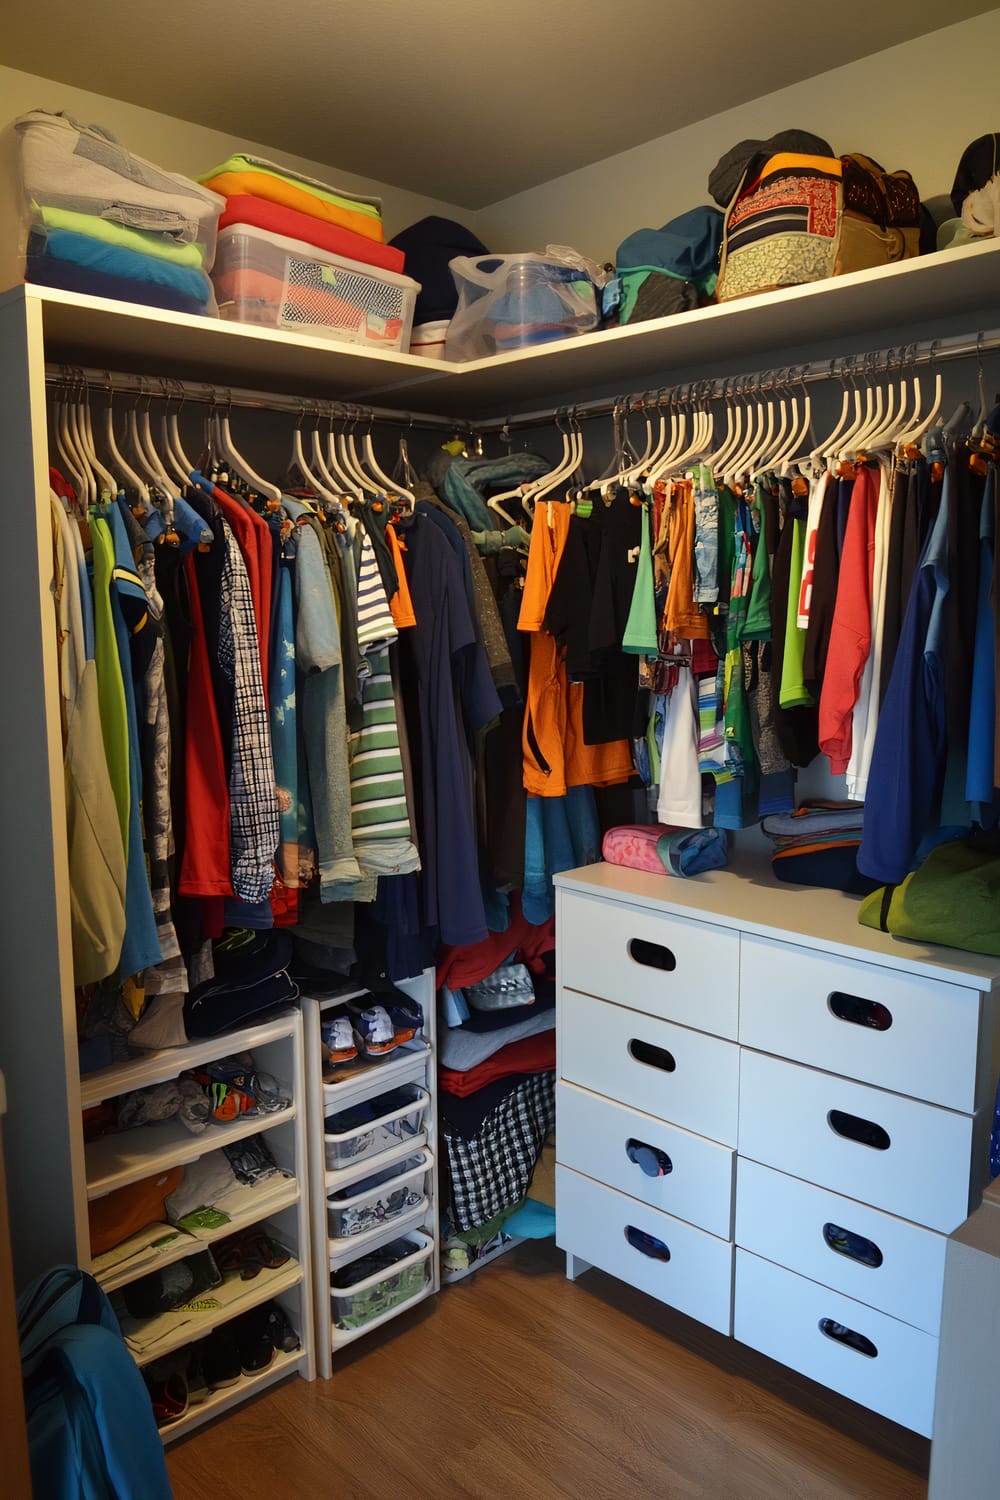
x: 517, y: 1383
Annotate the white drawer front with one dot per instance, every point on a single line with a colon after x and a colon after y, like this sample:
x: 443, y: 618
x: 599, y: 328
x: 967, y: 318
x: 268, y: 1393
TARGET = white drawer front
x: 883, y: 1261
x: 795, y: 1119
x: 595, y: 1223
x: 616, y: 951
x: 626, y: 1150
x: 901, y: 1032
x: 781, y: 1314
x: 668, y: 1071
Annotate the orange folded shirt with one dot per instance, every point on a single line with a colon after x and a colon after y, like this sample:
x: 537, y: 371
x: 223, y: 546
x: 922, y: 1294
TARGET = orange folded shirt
x: 275, y: 190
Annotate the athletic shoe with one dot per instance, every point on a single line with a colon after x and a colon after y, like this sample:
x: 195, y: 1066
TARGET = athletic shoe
x: 407, y: 1019
x: 377, y: 1031
x: 220, y: 1359
x: 280, y: 1331
x: 169, y: 1397
x: 340, y: 1039
x: 253, y: 1341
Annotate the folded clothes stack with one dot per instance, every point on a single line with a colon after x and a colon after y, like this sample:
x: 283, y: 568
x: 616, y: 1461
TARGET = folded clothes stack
x: 104, y: 222
x: 260, y: 194
x: 818, y: 844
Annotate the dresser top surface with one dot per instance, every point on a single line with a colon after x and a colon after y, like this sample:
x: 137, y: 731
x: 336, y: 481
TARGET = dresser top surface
x: 746, y: 896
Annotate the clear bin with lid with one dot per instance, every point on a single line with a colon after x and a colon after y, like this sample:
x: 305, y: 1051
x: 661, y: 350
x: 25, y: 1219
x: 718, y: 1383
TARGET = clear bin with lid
x: 265, y: 279
x: 517, y: 301
x: 377, y: 1125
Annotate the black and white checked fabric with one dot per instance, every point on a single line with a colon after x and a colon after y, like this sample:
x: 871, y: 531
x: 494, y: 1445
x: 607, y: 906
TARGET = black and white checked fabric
x: 492, y: 1171
x: 253, y: 802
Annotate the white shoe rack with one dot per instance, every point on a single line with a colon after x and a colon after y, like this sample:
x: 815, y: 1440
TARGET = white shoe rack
x: 412, y: 1063
x: 279, y: 1207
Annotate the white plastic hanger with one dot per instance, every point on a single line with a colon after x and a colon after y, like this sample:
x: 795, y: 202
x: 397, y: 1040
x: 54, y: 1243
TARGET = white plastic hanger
x: 130, y: 476
x: 828, y: 445
x: 231, y: 454
x: 109, y: 484
x: 175, y: 438
x: 299, y: 462
x: 349, y: 460
x: 677, y: 440
x: 68, y: 458
x: 172, y: 459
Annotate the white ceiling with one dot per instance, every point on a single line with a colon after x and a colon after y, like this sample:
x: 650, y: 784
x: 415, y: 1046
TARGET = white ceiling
x: 467, y: 102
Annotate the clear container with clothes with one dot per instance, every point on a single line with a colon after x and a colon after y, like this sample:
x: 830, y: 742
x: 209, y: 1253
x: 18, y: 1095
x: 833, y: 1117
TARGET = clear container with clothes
x: 519, y: 301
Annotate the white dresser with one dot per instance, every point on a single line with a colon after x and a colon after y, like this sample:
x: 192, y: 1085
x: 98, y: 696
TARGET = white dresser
x: 770, y: 1117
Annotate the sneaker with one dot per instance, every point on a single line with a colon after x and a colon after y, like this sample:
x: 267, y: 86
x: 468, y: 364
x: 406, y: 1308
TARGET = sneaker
x: 407, y: 1019
x: 253, y: 1341
x: 377, y: 1031
x: 280, y: 1331
x: 197, y: 1382
x: 340, y: 1039
x: 168, y: 1396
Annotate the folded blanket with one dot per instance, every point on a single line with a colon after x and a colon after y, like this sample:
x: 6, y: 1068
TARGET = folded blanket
x: 44, y: 271
x: 241, y: 175
x: 261, y: 213
x: 115, y: 260
x: 533, y: 1054
x: 161, y: 246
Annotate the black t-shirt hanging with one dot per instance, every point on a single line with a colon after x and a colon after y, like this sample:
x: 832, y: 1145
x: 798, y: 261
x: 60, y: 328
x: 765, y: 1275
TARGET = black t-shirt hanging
x: 609, y: 696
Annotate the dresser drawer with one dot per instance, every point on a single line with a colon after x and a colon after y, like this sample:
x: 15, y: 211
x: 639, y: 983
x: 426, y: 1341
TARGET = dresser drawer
x: 664, y: 965
x: 917, y: 1036
x: 668, y: 1071
x: 806, y: 1327
x: 873, y: 1257
x: 629, y: 1151
x: 911, y: 1159
x: 661, y: 1255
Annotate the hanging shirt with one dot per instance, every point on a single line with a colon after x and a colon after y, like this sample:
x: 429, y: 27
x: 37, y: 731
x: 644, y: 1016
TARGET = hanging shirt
x: 851, y: 632
x: 679, y: 802
x: 866, y: 709
x: 979, y: 782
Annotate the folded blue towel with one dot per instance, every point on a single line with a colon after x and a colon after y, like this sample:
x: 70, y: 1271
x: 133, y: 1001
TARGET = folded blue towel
x: 116, y: 260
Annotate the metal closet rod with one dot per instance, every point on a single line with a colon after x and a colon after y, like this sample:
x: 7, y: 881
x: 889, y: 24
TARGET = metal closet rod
x: 879, y: 362
x: 167, y: 388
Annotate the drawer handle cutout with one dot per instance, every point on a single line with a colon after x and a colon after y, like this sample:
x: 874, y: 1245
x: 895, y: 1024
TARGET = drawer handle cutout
x: 847, y: 1337
x: 853, y: 1246
x: 651, y: 955
x: 854, y: 1128
x: 653, y: 1057
x: 652, y: 1161
x: 859, y: 1011
x: 646, y: 1244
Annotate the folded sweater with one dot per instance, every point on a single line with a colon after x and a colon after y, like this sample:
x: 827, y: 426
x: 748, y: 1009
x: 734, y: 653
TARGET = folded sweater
x: 246, y: 174
x: 116, y: 260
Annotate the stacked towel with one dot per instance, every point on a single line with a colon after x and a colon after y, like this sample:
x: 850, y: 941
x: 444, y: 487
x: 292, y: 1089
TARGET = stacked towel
x: 105, y: 222
x: 262, y: 195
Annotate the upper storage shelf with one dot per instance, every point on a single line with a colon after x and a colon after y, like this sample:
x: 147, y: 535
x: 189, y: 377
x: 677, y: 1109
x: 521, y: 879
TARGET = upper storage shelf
x: 954, y: 292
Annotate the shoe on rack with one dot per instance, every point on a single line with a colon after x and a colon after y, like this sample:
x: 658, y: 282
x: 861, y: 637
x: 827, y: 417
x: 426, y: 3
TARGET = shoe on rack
x: 280, y: 1331
x: 377, y: 1031
x: 407, y: 1018
x: 168, y: 1395
x: 220, y: 1359
x: 340, y: 1039
x: 253, y: 1341
x: 194, y: 1370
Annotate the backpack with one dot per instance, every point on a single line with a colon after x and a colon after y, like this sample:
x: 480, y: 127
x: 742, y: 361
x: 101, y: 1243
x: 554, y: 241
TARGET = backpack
x: 91, y: 1431
x: 795, y: 219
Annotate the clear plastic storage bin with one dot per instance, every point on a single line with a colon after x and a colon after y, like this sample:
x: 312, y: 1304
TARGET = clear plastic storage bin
x: 265, y: 279
x: 360, y: 1295
x: 378, y: 1125
x: 517, y: 301
x: 368, y: 1206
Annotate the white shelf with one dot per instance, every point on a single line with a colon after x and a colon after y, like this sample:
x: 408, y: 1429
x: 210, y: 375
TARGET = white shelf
x: 962, y: 286
x: 156, y: 1067
x: 408, y: 1064
x: 229, y: 1396
x: 188, y: 1327
x: 260, y: 1206
x: 344, y: 1336
x: 113, y: 1161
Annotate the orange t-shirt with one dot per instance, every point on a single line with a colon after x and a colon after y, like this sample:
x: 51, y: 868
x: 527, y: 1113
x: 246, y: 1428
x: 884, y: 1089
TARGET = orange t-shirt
x: 681, y: 614
x: 555, y: 756
x: 401, y: 604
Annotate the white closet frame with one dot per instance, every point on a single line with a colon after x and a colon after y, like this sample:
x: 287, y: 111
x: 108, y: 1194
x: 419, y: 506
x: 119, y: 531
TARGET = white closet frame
x: 45, y: 1153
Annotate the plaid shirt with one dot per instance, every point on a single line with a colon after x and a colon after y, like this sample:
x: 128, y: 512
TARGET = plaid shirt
x: 493, y: 1171
x: 253, y: 802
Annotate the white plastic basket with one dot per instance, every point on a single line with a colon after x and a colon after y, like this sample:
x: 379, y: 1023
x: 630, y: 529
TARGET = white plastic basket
x: 374, y: 1297
x: 401, y: 1122
x: 268, y: 280
x: 362, y: 1211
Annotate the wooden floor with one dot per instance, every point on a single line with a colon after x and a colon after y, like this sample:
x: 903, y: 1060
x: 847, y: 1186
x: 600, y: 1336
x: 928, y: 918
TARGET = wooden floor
x: 517, y: 1385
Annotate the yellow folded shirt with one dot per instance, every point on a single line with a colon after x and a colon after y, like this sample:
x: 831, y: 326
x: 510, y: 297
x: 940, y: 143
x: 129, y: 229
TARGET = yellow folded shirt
x: 277, y: 190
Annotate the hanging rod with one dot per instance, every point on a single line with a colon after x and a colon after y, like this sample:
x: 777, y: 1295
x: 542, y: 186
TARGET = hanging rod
x: 880, y: 362
x: 168, y: 388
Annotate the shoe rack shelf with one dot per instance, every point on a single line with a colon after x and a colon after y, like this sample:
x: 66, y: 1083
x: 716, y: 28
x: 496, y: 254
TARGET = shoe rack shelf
x: 414, y: 1062
x: 280, y: 1207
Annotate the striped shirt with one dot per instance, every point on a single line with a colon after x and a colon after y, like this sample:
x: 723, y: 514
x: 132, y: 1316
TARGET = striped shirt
x: 376, y: 629
x: 378, y: 792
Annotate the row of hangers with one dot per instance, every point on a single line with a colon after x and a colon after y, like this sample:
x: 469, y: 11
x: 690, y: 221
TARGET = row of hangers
x: 766, y: 428
x: 153, y: 470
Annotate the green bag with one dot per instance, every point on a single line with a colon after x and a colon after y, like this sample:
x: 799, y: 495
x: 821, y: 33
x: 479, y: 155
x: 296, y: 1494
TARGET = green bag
x: 954, y: 899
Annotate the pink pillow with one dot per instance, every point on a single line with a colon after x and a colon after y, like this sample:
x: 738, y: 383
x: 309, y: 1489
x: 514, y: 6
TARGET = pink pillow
x: 634, y: 845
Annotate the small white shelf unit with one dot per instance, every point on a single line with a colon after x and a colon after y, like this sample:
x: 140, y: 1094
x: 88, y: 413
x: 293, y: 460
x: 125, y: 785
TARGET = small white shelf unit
x: 413, y: 1063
